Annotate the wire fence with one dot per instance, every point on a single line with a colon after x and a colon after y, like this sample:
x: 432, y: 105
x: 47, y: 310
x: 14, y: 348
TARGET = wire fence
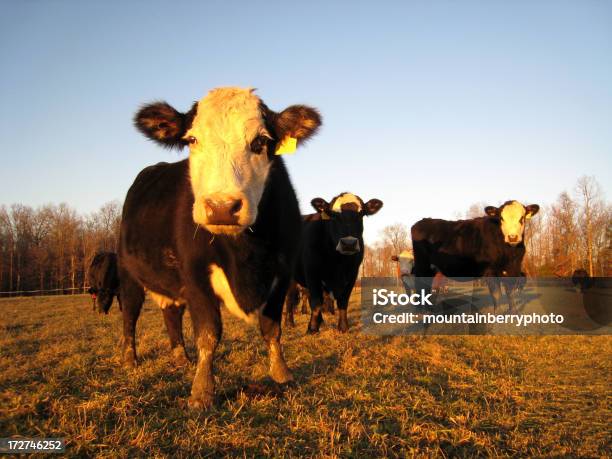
x: 57, y: 291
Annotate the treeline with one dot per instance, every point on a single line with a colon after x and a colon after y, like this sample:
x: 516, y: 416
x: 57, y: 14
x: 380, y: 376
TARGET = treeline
x: 50, y: 248
x: 574, y: 232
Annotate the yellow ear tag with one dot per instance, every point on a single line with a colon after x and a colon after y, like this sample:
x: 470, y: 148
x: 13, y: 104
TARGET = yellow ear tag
x: 288, y: 145
x: 324, y: 216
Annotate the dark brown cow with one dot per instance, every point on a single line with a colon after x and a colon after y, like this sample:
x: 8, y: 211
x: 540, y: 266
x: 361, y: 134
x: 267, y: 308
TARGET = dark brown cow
x: 490, y: 247
x: 103, y: 280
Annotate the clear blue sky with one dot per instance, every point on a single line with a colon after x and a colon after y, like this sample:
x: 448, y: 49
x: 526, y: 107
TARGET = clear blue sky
x: 429, y: 106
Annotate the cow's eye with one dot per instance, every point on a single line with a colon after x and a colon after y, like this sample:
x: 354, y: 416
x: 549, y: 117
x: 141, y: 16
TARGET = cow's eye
x: 191, y: 140
x: 258, y: 144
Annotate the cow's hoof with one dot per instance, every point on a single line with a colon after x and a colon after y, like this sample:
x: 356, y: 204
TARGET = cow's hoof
x: 130, y: 363
x: 129, y: 359
x: 343, y: 327
x: 180, y: 358
x: 196, y: 403
x: 281, y: 376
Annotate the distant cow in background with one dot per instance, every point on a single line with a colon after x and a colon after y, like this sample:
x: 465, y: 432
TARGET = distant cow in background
x: 490, y: 247
x: 103, y: 280
x: 330, y: 253
x: 405, y: 266
x: 581, y: 280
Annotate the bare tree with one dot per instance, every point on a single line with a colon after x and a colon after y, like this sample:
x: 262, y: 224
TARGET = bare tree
x: 563, y: 223
x: 592, y: 207
x: 476, y: 210
x: 396, y: 236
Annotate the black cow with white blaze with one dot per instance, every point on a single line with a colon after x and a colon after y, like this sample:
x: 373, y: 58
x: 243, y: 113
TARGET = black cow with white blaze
x: 331, y: 251
x: 491, y: 246
x: 103, y: 280
x: 221, y: 227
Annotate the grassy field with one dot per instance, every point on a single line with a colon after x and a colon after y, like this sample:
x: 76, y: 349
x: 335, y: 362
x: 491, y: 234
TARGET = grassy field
x: 356, y: 395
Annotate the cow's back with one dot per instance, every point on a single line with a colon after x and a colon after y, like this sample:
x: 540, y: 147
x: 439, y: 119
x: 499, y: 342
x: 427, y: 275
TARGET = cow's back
x: 153, y: 207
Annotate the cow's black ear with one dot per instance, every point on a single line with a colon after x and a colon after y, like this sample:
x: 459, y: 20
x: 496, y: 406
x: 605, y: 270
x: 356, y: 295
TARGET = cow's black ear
x: 531, y: 209
x: 372, y: 206
x: 298, y: 121
x: 320, y: 205
x: 160, y: 122
x: 491, y: 211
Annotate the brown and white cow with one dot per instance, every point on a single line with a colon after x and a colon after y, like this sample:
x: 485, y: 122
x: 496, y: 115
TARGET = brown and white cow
x: 221, y: 227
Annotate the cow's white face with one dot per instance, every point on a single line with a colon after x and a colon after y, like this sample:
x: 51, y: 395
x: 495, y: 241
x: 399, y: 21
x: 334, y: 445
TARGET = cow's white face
x: 231, y: 136
x: 512, y: 217
x: 227, y: 176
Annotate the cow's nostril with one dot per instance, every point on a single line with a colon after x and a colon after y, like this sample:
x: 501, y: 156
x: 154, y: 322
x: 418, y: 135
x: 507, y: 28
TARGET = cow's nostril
x: 209, y: 204
x: 349, y: 242
x: 236, y: 206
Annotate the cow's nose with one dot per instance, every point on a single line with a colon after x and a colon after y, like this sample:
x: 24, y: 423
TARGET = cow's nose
x: 512, y: 238
x: 349, y: 242
x: 349, y: 245
x: 222, y: 211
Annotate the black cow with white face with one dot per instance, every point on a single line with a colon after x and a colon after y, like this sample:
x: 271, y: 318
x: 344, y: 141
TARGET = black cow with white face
x: 491, y: 246
x: 103, y: 280
x: 221, y: 227
x: 331, y: 251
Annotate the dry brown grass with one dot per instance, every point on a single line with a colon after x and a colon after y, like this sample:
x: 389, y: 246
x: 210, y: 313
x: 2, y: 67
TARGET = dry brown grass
x: 356, y: 395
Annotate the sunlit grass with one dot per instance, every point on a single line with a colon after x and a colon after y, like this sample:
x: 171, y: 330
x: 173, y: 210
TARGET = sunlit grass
x: 355, y: 396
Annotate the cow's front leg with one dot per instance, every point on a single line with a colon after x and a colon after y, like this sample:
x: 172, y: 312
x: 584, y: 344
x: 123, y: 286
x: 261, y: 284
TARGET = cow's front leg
x: 495, y: 290
x: 342, y: 298
x: 270, y: 325
x: 206, y: 318
x: 343, y: 325
x: 511, y: 294
x: 173, y: 318
x: 271, y: 332
x: 315, y: 299
x: 132, y: 297
x: 511, y: 285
